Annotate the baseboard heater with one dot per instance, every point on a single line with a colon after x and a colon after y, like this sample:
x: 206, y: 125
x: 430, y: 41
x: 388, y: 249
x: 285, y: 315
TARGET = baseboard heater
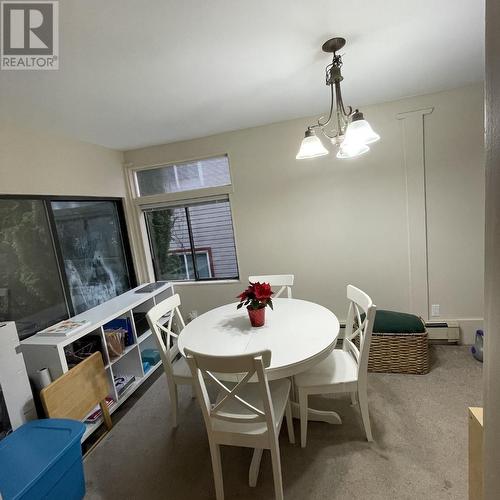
x: 442, y: 331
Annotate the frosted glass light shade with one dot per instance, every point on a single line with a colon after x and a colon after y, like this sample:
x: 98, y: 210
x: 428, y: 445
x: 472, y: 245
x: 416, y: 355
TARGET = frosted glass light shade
x: 360, y: 132
x: 351, y: 150
x: 311, y: 147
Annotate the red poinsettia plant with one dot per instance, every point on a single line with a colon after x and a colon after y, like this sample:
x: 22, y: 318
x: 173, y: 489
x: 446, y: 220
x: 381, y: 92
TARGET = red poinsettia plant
x: 256, y: 296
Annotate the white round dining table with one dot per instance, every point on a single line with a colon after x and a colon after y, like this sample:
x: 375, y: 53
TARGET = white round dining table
x: 298, y: 333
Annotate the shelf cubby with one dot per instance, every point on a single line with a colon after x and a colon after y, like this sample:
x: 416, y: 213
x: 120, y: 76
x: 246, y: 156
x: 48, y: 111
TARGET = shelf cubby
x: 126, y: 322
x: 126, y: 351
x: 80, y: 349
x: 129, y: 364
x: 139, y: 317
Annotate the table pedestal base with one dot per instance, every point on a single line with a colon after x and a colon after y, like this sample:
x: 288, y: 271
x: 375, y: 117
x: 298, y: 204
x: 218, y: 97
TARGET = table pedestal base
x: 330, y: 417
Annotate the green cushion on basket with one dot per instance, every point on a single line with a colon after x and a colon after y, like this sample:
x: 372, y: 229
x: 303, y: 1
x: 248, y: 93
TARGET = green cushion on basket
x: 397, y: 322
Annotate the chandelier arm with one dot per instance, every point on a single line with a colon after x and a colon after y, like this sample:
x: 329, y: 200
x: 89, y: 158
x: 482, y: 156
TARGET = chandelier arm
x: 324, y: 124
x: 340, y: 101
x: 340, y: 116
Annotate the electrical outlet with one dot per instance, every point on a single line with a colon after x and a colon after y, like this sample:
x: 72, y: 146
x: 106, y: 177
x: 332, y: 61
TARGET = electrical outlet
x: 435, y: 310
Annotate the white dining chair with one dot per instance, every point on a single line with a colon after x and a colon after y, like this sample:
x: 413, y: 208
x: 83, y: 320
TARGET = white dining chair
x: 285, y: 281
x: 344, y: 370
x: 177, y: 372
x: 243, y: 414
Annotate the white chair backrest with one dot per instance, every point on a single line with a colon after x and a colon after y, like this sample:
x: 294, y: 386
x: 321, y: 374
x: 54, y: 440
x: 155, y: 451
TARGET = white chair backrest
x: 359, y: 323
x: 285, y: 281
x: 206, y: 368
x: 160, y: 319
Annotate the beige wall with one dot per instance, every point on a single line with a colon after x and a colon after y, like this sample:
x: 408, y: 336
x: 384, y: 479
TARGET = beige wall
x: 455, y: 202
x: 32, y: 162
x: 333, y: 222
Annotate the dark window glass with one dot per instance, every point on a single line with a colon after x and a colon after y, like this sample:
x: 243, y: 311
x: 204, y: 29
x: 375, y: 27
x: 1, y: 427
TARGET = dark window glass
x: 91, y: 244
x: 204, y: 230
x: 31, y: 293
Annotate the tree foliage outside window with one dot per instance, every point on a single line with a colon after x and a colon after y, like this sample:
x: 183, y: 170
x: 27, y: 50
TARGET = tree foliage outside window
x: 161, y: 223
x: 30, y: 287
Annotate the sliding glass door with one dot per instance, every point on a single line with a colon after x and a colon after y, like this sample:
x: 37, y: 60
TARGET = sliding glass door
x: 92, y: 249
x: 60, y: 257
x: 30, y: 285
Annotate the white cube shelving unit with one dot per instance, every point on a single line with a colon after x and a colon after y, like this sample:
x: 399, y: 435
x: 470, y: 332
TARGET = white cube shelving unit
x: 41, y: 351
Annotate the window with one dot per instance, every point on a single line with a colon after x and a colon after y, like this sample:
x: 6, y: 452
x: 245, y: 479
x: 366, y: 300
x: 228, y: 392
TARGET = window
x: 203, y: 230
x: 211, y: 172
x: 59, y: 257
x: 187, y: 215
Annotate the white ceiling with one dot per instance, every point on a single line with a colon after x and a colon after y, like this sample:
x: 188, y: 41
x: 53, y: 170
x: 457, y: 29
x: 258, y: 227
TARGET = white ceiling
x: 135, y: 73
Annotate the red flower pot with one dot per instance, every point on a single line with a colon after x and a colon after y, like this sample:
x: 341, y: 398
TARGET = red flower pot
x: 257, y: 316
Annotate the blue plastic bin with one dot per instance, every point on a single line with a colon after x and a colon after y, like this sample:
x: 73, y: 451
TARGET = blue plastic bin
x: 152, y: 356
x: 43, y: 459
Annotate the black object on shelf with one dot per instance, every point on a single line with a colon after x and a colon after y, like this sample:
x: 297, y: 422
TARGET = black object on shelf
x: 82, y: 348
x: 141, y: 323
x: 5, y: 427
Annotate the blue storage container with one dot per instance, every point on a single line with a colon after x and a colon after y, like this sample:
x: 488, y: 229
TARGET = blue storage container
x: 152, y: 356
x: 43, y: 459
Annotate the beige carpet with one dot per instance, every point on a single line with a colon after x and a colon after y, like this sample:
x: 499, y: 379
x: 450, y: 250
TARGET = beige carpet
x: 419, y: 425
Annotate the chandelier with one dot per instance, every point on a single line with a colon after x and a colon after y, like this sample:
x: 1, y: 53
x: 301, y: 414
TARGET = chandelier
x: 348, y: 131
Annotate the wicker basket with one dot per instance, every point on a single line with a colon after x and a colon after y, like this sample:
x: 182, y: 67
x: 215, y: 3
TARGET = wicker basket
x: 399, y: 353
x: 406, y: 353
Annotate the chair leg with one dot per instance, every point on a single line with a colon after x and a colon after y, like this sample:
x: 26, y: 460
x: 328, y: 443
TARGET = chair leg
x: 275, y: 459
x: 253, y: 473
x: 217, y: 470
x: 303, y: 417
x: 174, y: 402
x: 353, y: 399
x: 363, y: 406
x: 289, y: 423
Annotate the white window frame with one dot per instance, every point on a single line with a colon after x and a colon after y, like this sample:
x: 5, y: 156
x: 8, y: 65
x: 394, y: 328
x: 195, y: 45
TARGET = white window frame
x: 135, y: 214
